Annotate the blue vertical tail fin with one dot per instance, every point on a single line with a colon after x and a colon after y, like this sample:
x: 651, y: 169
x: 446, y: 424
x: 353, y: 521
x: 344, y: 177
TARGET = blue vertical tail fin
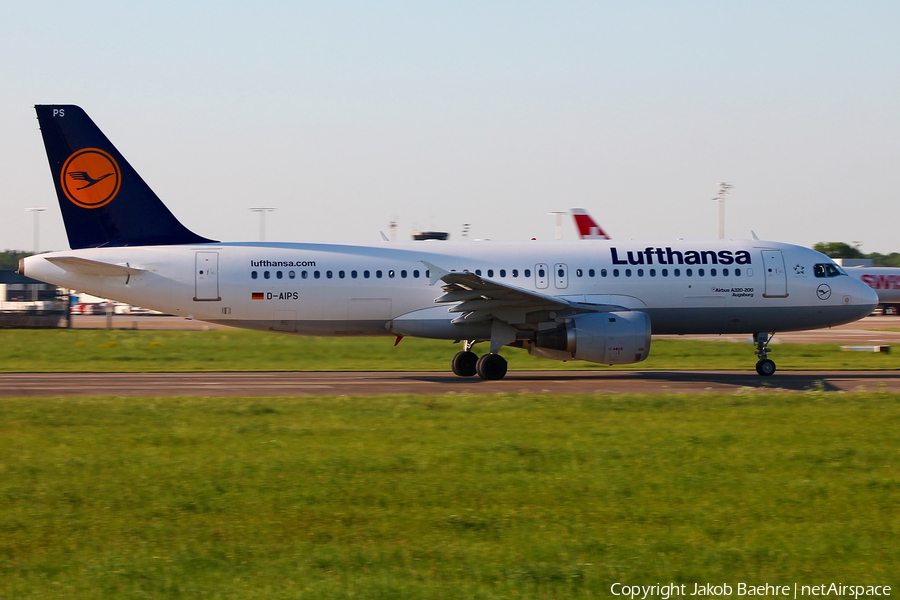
x: 104, y: 201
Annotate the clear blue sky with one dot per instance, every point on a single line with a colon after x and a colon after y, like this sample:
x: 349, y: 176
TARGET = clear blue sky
x: 345, y: 115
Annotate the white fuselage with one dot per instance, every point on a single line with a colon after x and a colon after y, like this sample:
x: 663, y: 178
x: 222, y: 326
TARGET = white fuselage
x: 721, y: 286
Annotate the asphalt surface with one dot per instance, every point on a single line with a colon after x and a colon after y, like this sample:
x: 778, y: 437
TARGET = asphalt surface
x: 369, y: 384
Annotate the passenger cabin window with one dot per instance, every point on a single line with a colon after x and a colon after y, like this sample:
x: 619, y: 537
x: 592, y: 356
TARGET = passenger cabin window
x: 279, y: 275
x: 591, y: 272
x: 266, y: 274
x: 416, y: 273
x: 527, y: 272
x: 515, y: 272
x: 253, y: 275
x: 502, y: 272
x: 291, y: 274
x: 366, y: 274
x: 490, y: 272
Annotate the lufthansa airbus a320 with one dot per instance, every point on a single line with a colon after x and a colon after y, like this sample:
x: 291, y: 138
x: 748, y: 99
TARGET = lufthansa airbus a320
x: 596, y: 300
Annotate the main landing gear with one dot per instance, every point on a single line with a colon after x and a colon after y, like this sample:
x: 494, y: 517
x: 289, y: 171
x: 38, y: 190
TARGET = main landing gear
x: 765, y: 366
x: 491, y: 366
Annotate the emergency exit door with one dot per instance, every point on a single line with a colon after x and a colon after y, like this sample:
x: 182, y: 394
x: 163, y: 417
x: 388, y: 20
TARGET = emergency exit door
x: 206, y: 276
x: 776, y: 276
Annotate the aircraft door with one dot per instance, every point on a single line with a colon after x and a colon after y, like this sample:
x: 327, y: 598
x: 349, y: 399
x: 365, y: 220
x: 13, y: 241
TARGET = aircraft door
x: 776, y: 276
x: 541, y: 276
x: 561, y: 276
x: 206, y: 276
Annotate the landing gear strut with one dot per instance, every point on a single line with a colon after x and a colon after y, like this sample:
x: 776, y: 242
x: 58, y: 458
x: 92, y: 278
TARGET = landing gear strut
x: 765, y: 366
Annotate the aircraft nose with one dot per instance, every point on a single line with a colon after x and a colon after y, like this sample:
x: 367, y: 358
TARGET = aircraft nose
x: 863, y: 296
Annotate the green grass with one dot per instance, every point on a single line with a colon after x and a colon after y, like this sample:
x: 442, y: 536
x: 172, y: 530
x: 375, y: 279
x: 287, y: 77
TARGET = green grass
x: 444, y: 497
x: 124, y: 350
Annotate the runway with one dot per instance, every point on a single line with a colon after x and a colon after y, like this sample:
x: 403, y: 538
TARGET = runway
x: 371, y: 384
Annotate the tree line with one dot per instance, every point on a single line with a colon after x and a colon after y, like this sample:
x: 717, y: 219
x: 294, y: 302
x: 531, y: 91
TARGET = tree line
x: 9, y: 259
x: 843, y: 250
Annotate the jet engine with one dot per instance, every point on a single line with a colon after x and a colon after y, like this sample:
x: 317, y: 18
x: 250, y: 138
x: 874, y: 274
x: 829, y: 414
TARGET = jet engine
x: 613, y: 338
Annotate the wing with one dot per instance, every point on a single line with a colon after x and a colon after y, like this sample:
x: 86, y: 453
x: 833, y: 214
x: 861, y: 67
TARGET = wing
x: 479, y: 299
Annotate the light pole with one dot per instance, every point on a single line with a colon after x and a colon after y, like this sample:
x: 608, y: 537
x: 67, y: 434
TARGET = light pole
x: 720, y: 198
x: 262, y: 221
x: 559, y: 214
x: 37, y: 212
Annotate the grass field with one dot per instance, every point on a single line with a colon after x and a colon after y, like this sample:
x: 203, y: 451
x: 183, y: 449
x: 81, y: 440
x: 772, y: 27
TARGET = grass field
x: 124, y: 350
x: 514, y: 496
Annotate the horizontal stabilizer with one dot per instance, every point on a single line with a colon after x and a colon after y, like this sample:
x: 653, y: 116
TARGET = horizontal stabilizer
x: 84, y: 266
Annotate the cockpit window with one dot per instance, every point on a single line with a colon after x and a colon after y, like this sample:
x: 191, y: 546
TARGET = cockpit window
x: 828, y: 270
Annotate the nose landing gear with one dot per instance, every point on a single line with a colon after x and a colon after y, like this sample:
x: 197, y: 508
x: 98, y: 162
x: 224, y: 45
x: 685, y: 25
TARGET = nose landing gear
x: 764, y: 366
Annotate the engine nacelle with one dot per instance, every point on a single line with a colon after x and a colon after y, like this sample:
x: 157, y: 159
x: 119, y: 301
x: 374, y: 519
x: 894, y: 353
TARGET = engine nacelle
x: 613, y: 338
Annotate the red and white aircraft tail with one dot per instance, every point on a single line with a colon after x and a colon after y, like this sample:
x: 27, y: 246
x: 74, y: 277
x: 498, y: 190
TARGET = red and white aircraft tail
x: 587, y: 227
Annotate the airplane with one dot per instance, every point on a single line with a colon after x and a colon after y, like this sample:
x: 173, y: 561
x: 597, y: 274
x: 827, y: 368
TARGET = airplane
x: 595, y: 300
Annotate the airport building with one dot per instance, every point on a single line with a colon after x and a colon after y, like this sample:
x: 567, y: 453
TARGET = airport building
x: 26, y: 302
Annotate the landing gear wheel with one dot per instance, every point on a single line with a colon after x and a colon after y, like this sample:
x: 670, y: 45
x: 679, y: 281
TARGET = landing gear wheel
x: 765, y: 367
x: 463, y: 364
x: 491, y: 367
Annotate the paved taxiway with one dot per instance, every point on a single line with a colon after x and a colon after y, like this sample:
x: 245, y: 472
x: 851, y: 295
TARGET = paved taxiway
x: 369, y: 384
